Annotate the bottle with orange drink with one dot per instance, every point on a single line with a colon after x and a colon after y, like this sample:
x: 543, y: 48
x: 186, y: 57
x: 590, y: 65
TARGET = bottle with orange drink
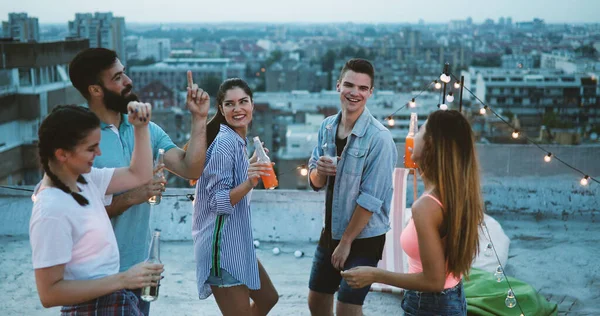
x: 270, y: 182
x: 410, y: 141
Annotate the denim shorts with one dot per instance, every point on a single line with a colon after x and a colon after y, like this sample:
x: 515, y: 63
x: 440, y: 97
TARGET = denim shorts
x: 324, y: 278
x: 224, y: 280
x: 450, y: 302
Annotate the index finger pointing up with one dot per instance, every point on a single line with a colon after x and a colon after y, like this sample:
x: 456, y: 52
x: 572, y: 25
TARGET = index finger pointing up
x: 190, y: 79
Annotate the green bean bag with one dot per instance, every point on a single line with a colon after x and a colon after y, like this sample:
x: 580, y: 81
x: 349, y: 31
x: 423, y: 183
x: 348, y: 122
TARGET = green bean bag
x: 485, y: 296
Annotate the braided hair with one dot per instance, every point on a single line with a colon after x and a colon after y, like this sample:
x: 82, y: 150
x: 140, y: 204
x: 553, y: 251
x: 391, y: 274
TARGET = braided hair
x: 64, y: 128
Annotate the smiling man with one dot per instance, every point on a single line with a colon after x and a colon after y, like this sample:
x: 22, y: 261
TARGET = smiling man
x: 359, y: 193
x: 101, y: 78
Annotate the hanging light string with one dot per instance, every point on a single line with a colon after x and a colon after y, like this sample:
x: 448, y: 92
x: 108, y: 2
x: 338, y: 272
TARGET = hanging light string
x: 489, y: 238
x: 586, y: 178
x: 425, y: 88
x: 15, y: 188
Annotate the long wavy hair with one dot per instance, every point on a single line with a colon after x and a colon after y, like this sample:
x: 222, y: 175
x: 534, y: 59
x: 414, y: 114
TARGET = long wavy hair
x: 449, y: 161
x: 214, y: 125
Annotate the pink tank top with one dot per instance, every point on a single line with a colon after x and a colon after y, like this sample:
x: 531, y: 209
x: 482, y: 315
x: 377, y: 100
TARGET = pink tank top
x: 410, y: 244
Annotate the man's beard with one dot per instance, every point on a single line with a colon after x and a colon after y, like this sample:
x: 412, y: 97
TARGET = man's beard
x: 118, y: 102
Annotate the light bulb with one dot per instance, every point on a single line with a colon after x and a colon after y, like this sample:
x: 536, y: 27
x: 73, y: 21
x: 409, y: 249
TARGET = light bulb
x: 443, y: 107
x: 515, y: 134
x: 548, y: 157
x: 256, y: 244
x: 482, y: 111
x: 488, y: 252
x: 450, y: 97
x: 585, y: 180
x: 276, y: 251
x: 412, y: 103
x: 499, y: 274
x: 437, y: 85
x: 303, y: 171
x: 445, y: 78
x: 391, y: 122
x: 457, y: 85
x: 510, y: 300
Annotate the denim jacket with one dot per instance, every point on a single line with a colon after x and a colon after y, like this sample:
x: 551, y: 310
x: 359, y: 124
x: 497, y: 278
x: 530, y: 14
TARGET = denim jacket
x: 364, y: 174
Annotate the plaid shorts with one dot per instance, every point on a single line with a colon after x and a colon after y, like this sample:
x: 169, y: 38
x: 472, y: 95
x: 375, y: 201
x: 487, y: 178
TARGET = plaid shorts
x: 121, y: 302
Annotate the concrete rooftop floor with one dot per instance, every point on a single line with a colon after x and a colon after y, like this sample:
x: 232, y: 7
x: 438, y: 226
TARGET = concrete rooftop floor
x: 559, y: 257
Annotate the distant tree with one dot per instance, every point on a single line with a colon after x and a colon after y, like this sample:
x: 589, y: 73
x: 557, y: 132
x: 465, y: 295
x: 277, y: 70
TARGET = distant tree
x: 587, y: 51
x: 347, y: 51
x: 328, y: 61
x: 327, y: 65
x: 275, y: 56
x: 487, y: 61
x: 361, y: 53
x: 552, y: 120
x: 211, y: 85
x: 261, y: 86
x: 249, y: 72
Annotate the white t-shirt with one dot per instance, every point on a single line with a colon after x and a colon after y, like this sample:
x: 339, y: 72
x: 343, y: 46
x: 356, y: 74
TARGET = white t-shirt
x: 63, y: 232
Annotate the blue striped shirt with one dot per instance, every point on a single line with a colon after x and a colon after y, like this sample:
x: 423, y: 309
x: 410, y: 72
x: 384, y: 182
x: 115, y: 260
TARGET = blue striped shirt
x: 222, y: 233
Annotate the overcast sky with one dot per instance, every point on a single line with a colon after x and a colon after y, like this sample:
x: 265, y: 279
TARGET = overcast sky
x: 370, y: 11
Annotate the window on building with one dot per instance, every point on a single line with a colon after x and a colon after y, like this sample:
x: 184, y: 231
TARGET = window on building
x: 25, y: 77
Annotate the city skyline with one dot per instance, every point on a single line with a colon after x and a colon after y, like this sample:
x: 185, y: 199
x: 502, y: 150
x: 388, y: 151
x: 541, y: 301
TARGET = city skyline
x: 312, y: 11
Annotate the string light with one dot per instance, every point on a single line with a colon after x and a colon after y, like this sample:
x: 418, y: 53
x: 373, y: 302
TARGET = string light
x: 499, y: 274
x: 445, y: 78
x: 303, y: 171
x: 412, y: 103
x: 443, y: 106
x: 585, y: 180
x: 456, y: 85
x: 488, y: 252
x: 510, y: 300
x: 437, y: 85
x: 391, y: 121
x: 450, y: 97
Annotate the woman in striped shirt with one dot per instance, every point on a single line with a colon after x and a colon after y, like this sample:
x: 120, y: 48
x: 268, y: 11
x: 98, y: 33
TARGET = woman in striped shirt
x: 226, y: 263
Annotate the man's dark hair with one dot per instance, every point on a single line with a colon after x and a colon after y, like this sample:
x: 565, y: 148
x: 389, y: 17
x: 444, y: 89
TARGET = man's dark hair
x: 361, y: 66
x: 85, y: 68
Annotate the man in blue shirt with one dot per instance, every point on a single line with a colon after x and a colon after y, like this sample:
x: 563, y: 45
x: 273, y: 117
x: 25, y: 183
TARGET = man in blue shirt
x: 100, y: 77
x: 359, y: 188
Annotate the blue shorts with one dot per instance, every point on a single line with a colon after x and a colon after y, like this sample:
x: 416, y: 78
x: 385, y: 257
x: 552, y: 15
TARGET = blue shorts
x: 224, y: 280
x: 450, y: 302
x: 324, y: 278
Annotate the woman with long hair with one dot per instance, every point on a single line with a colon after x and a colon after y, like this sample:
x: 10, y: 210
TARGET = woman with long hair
x: 442, y: 238
x: 74, y: 251
x: 226, y: 263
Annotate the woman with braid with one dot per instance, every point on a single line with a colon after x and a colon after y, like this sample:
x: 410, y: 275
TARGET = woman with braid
x: 74, y: 250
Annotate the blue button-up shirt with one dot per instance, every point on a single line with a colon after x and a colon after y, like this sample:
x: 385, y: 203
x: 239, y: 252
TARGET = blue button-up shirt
x: 132, y: 227
x: 223, y: 232
x: 364, y: 174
